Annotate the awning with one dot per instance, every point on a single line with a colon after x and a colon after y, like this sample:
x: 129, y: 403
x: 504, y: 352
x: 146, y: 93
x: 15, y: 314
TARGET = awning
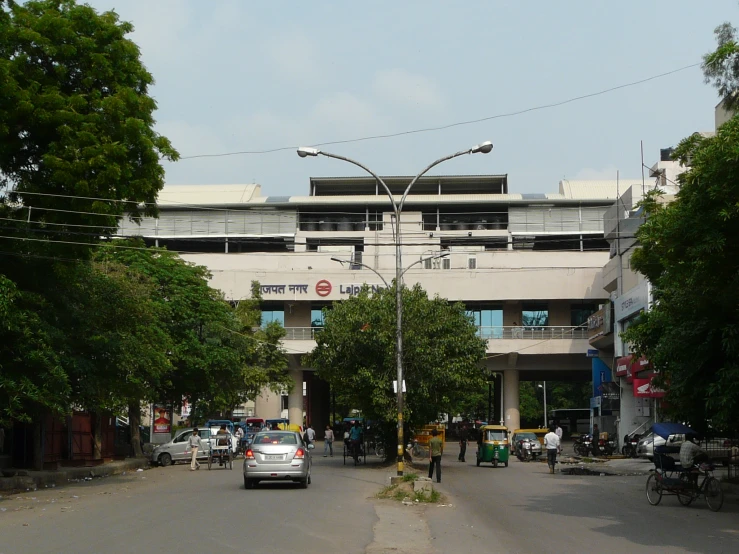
x: 664, y: 430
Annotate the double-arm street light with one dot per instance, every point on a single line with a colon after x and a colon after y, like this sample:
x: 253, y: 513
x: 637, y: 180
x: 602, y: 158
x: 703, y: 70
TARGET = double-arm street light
x: 482, y: 148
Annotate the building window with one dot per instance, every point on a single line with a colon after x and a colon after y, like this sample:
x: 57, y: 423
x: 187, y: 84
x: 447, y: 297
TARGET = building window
x: 283, y: 402
x: 579, y: 313
x: 535, y: 315
x: 446, y: 263
x: 316, y: 317
x: 472, y: 262
x: 488, y: 320
x: 268, y: 316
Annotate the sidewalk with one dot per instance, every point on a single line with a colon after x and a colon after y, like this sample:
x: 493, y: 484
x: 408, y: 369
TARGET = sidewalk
x: 26, y: 479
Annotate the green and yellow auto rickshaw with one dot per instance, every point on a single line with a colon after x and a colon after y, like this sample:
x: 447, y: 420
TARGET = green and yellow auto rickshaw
x: 492, y: 445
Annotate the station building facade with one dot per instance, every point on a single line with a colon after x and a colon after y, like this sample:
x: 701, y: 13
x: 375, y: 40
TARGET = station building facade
x: 529, y: 267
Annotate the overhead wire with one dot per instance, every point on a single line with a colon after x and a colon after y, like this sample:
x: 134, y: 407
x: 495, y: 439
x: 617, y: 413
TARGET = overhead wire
x: 450, y: 125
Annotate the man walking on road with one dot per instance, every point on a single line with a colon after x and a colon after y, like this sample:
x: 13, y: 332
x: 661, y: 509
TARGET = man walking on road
x: 462, y: 442
x: 436, y: 447
x: 195, y: 445
x: 310, y: 434
x: 552, y: 445
x: 328, y: 441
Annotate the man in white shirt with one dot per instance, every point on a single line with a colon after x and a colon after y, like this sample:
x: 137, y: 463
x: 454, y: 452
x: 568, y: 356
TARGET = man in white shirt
x: 310, y: 434
x: 195, y: 445
x: 552, y: 445
x: 559, y: 433
x: 690, y: 453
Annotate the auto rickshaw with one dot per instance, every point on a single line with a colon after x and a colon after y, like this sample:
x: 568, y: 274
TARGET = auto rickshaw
x: 492, y: 445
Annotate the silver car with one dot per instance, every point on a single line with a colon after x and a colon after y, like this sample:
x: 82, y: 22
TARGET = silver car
x: 178, y: 449
x: 278, y: 456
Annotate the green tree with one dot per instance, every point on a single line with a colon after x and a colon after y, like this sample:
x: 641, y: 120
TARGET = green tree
x: 721, y: 67
x: 690, y: 254
x: 442, y: 353
x: 76, y: 119
x: 219, y: 354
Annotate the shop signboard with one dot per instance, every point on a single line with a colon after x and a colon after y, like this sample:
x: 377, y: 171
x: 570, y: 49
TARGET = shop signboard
x: 622, y: 366
x: 600, y: 323
x: 639, y: 365
x: 643, y: 388
x: 631, y: 302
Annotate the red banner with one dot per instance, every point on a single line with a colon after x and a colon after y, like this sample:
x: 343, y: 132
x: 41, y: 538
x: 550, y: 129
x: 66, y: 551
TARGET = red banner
x: 642, y: 364
x: 622, y: 366
x: 643, y: 388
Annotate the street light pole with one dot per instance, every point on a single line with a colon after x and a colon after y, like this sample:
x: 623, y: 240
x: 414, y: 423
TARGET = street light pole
x: 483, y: 148
x: 545, y: 405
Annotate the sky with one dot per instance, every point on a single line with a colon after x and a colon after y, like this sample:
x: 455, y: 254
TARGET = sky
x: 233, y: 75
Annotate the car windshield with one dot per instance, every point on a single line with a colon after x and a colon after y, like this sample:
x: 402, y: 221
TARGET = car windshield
x: 275, y: 438
x: 495, y: 435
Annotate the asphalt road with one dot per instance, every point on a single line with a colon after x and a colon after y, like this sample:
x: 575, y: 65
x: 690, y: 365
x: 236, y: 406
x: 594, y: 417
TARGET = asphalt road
x: 174, y: 509
x: 524, y: 509
x: 517, y: 509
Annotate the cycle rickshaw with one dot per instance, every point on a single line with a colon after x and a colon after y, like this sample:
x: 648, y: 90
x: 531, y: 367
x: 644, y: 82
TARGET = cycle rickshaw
x: 669, y: 478
x: 221, y: 450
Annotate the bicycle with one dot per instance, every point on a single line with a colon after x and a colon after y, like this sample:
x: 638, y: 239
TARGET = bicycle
x: 685, y: 486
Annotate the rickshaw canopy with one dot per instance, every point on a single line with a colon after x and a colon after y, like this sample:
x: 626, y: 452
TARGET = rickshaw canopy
x: 665, y: 430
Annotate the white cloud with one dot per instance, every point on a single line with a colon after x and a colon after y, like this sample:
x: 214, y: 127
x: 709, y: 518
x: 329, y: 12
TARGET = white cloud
x: 401, y: 87
x: 294, y: 56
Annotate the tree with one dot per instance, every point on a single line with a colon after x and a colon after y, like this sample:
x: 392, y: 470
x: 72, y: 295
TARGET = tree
x: 721, y: 67
x: 219, y: 354
x: 442, y: 353
x: 77, y: 144
x: 690, y: 254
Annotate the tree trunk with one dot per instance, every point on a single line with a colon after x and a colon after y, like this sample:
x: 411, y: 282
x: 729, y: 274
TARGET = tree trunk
x: 38, y: 444
x: 134, y: 420
x: 97, y: 436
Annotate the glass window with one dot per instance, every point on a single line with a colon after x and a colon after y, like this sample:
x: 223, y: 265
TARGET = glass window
x: 316, y: 317
x: 488, y: 320
x: 268, y: 316
x: 184, y: 437
x: 495, y: 435
x: 579, y: 313
x: 535, y: 315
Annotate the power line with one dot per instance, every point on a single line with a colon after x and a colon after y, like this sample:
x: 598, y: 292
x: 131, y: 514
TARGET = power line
x: 451, y: 125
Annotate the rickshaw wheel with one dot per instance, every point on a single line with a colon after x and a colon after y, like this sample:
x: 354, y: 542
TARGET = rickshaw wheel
x: 210, y: 460
x: 685, y: 496
x: 654, y: 490
x: 713, y: 493
x: 230, y: 460
x: 505, y: 464
x: 478, y: 461
x: 495, y: 463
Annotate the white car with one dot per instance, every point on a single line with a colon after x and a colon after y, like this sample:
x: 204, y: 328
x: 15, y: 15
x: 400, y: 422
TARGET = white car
x: 718, y: 449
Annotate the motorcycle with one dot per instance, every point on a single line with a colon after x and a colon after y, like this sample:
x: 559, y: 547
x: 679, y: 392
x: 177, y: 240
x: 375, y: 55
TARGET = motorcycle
x: 631, y: 443
x: 583, y: 444
x: 604, y: 447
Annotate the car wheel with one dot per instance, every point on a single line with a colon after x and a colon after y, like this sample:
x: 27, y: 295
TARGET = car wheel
x: 304, y: 483
x: 246, y: 483
x: 309, y: 481
x: 165, y: 460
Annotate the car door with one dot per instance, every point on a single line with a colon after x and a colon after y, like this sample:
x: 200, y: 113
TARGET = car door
x: 180, y: 449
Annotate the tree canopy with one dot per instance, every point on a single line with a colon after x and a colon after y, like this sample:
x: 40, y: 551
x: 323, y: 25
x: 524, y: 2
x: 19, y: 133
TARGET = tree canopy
x: 690, y: 254
x: 442, y: 354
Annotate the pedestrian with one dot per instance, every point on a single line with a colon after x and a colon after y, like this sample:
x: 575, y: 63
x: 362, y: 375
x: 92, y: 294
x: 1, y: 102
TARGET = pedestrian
x: 552, y: 445
x: 462, y: 442
x: 559, y: 433
x: 311, y: 434
x: 195, y: 445
x: 355, y: 438
x: 436, y: 447
x: 328, y: 442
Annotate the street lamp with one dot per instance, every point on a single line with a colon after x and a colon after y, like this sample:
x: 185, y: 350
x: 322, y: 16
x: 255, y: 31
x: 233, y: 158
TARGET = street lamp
x: 482, y: 148
x: 373, y: 270
x: 545, y: 403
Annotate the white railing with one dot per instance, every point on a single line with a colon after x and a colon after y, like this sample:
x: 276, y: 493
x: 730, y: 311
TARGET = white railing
x: 531, y: 333
x: 301, y: 333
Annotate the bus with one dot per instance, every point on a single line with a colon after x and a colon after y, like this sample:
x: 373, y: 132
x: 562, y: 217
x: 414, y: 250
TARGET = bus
x: 573, y: 421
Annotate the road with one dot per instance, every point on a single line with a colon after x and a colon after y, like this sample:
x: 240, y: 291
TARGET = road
x: 517, y: 509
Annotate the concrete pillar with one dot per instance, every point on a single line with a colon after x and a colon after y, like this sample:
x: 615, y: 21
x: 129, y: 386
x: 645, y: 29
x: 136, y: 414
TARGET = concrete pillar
x: 511, y: 401
x: 498, y: 415
x: 295, y: 398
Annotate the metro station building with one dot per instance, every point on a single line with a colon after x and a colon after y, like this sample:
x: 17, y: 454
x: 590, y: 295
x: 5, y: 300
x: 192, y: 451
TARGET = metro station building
x: 529, y: 267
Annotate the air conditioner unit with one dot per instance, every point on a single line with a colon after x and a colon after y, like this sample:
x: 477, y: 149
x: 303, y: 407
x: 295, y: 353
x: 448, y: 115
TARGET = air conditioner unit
x: 471, y: 262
